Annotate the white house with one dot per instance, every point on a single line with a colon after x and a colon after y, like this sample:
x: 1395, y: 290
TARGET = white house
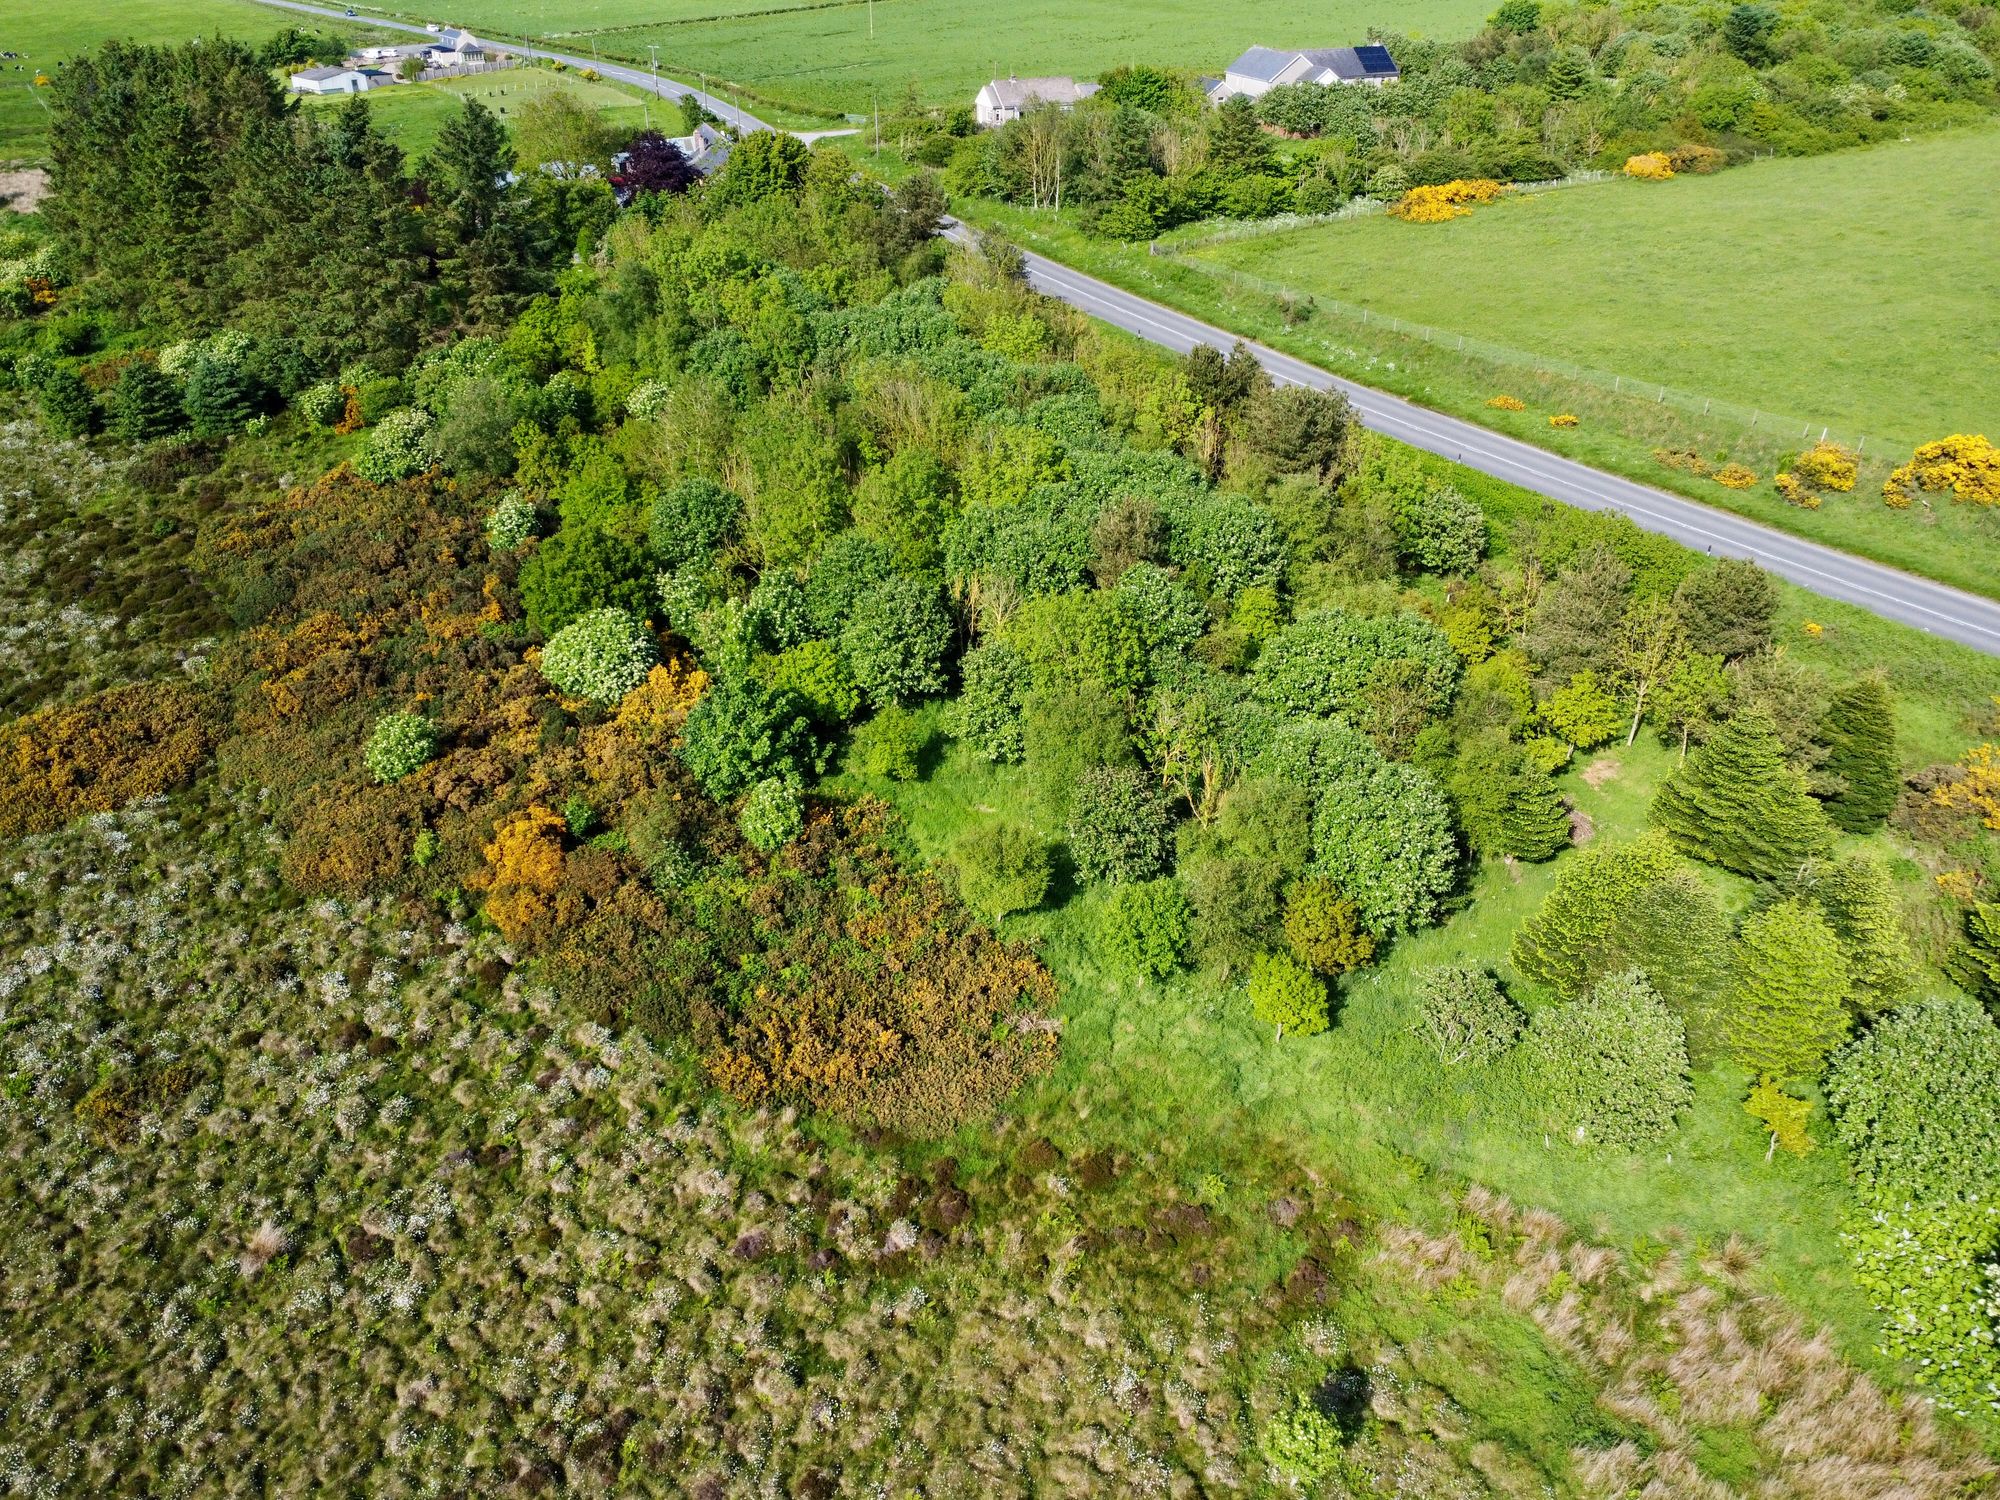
x: 1262, y: 69
x: 457, y: 49
x: 1007, y: 99
x: 336, y: 80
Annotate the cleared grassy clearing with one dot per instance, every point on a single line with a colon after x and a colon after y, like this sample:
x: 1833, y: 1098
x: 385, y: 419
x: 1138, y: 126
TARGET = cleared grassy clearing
x: 1793, y: 286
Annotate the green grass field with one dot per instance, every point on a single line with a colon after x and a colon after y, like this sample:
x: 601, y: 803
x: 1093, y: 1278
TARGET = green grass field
x: 48, y: 35
x: 843, y: 56
x: 412, y: 114
x: 1790, y: 286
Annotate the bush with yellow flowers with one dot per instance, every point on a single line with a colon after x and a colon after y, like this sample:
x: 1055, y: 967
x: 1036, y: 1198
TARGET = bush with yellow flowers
x: 1823, y: 469
x: 1795, y: 491
x: 1828, y: 466
x: 1700, y: 160
x: 1964, y: 465
x: 1735, y: 477
x: 1685, y: 459
x: 1563, y: 419
x: 1445, y: 200
x: 1508, y: 403
x: 1649, y: 166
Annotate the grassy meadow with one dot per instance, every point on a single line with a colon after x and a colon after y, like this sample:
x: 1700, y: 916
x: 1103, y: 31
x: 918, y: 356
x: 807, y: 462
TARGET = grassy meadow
x: 1794, y: 286
x: 48, y: 35
x: 412, y: 114
x: 844, y: 57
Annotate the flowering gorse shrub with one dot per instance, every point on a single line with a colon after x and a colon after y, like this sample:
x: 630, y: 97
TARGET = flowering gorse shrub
x: 1965, y: 466
x: 1735, y: 477
x: 1649, y: 166
x: 1828, y: 466
x: 399, y: 745
x: 1446, y: 200
x: 602, y: 656
x: 1508, y: 403
x: 1563, y: 419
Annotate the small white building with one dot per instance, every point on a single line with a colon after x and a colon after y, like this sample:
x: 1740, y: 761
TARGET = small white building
x: 1262, y: 69
x: 457, y: 49
x: 336, y: 80
x: 1007, y: 99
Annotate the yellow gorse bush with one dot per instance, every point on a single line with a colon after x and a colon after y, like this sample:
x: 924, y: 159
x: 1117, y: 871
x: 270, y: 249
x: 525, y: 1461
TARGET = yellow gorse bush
x: 1735, y: 477
x: 1964, y: 464
x: 1795, y: 492
x: 1828, y: 466
x: 660, y: 704
x: 1445, y: 200
x: 1649, y: 166
x: 1563, y: 419
x: 1508, y: 403
x: 1979, y: 789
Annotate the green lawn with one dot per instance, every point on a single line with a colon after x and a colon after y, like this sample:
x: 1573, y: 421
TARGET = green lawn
x: 1799, y: 287
x: 411, y: 114
x: 48, y: 35
x: 844, y: 56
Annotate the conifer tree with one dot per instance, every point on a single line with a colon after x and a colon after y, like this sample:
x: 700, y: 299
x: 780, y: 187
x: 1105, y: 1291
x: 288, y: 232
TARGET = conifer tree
x: 144, y: 404
x: 1737, y: 803
x: 1860, y: 734
x: 1858, y: 900
x: 1633, y: 906
x: 479, y: 216
x: 1788, y: 1000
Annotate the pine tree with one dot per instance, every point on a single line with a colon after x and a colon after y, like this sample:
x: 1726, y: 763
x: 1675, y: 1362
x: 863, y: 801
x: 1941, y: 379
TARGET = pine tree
x: 480, y: 224
x: 1788, y: 1002
x: 144, y: 404
x: 1860, y: 734
x: 1737, y: 803
x: 1237, y: 145
x: 1858, y: 900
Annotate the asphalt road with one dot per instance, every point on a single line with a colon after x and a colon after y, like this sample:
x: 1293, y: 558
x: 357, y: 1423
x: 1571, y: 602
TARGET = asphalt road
x: 1888, y: 592
x: 722, y: 109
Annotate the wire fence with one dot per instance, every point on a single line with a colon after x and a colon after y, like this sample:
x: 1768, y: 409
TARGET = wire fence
x: 1376, y: 339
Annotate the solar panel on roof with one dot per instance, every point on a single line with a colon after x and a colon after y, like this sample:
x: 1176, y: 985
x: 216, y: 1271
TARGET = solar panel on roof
x: 1375, y: 59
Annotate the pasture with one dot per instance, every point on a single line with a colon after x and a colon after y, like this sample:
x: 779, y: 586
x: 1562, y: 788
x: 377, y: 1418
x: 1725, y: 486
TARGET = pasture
x: 844, y: 57
x: 1797, y: 287
x: 412, y: 114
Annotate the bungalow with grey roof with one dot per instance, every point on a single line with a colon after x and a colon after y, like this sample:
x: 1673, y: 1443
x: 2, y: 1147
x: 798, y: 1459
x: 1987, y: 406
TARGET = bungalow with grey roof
x: 336, y: 80
x: 1262, y: 69
x: 1007, y: 99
